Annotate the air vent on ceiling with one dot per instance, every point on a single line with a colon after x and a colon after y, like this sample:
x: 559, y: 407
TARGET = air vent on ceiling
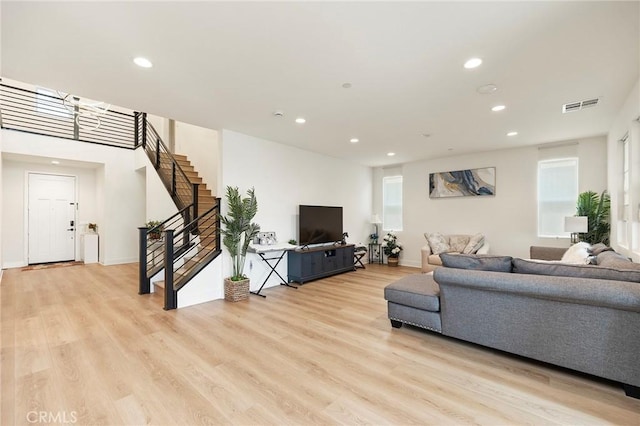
x: 577, y: 106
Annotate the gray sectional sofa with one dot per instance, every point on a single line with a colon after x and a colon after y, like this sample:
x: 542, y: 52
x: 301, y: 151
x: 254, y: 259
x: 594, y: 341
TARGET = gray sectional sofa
x: 582, y: 317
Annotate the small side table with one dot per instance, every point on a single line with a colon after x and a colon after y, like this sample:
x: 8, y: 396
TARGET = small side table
x: 375, y: 253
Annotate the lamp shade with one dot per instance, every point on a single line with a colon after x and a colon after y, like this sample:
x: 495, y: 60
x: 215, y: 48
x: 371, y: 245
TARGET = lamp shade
x: 576, y: 224
x: 375, y: 219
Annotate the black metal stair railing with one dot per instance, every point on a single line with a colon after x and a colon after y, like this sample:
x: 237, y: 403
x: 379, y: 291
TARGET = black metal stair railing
x: 46, y: 114
x: 183, y: 192
x: 188, y: 249
x: 152, y: 249
x: 190, y: 241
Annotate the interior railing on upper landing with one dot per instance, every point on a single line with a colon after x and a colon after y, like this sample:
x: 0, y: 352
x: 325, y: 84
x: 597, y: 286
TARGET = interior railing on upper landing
x: 46, y: 113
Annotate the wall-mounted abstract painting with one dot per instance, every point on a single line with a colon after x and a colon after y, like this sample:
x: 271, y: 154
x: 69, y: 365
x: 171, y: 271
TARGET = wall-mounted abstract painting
x: 463, y: 183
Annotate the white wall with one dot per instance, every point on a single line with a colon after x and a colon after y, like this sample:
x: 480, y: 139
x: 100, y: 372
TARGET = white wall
x: 119, y: 190
x: 626, y: 122
x: 508, y: 219
x: 158, y: 204
x: 285, y: 177
x: 14, y: 216
x: 202, y: 147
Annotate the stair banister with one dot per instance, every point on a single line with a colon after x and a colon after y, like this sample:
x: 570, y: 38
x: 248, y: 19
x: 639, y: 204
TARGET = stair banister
x: 170, y: 301
x: 144, y: 286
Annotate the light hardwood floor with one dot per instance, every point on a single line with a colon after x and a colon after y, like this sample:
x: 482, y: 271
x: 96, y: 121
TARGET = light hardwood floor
x: 81, y: 344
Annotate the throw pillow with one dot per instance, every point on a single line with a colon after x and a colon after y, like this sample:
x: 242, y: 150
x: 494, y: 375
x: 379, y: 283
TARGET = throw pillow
x: 477, y: 262
x: 611, y: 259
x: 438, y: 243
x: 577, y: 254
x: 458, y: 242
x: 598, y: 248
x: 474, y: 244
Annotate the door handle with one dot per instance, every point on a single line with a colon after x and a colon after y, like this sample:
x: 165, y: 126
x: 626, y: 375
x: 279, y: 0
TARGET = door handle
x: 70, y: 229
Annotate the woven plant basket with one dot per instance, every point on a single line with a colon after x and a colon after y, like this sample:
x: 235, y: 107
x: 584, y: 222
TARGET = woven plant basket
x: 234, y: 291
x: 392, y: 261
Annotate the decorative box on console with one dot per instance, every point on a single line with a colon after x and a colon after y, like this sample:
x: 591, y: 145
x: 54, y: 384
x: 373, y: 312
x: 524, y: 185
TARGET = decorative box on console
x: 265, y: 238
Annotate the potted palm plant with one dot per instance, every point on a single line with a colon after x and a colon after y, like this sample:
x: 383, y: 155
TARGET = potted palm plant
x: 238, y: 232
x: 597, y: 210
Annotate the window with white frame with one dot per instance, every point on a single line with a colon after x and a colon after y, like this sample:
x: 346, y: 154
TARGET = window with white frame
x: 392, y: 203
x: 49, y: 103
x: 624, y: 205
x: 557, y: 195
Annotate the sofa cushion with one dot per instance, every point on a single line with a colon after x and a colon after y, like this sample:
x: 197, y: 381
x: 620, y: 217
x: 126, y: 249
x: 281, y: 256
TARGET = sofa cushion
x: 522, y: 266
x: 611, y: 259
x: 577, y: 254
x: 477, y: 262
x: 474, y: 244
x: 437, y: 242
x: 457, y: 243
x: 418, y: 291
x: 434, y: 259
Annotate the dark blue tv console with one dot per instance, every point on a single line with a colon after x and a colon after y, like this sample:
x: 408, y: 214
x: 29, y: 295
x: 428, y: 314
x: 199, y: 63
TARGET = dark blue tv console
x: 319, y: 262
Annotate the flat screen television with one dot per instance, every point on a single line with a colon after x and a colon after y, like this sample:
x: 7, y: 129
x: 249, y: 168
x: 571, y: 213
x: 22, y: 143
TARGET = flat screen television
x: 319, y: 224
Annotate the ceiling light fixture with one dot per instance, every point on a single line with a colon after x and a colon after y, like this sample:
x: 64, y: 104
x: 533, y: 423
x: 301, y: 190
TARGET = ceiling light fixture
x: 278, y: 114
x: 354, y: 140
x: 55, y: 162
x: 498, y: 108
x: 391, y: 154
x: 473, y: 63
x: 512, y: 134
x: 142, y: 62
x: 346, y: 85
x: 300, y: 120
x: 487, y: 89
x: 87, y: 114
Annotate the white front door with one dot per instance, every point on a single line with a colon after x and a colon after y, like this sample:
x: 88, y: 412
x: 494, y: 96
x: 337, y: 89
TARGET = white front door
x: 52, y: 218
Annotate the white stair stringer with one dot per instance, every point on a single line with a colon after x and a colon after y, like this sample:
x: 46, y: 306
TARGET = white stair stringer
x: 204, y: 287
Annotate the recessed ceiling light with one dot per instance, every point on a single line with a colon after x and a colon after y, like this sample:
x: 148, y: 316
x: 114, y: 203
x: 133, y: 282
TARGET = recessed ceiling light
x: 278, y: 113
x: 354, y: 140
x: 55, y: 162
x: 346, y: 85
x: 426, y: 135
x: 498, y: 108
x: 391, y: 154
x: 487, y: 89
x: 300, y: 120
x: 512, y: 134
x: 142, y: 62
x: 473, y: 63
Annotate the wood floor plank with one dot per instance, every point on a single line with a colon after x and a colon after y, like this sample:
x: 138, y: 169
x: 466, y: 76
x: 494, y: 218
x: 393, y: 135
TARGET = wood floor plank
x: 80, y: 339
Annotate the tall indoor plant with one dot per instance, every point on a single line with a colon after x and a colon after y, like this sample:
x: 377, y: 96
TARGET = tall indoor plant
x: 597, y: 209
x: 238, y: 232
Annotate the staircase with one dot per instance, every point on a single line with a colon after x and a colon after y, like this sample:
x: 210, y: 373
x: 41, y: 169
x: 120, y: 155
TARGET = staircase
x: 191, y: 238
x: 205, y: 200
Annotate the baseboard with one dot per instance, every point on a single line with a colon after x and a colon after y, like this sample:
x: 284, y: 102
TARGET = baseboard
x: 10, y: 265
x: 119, y: 261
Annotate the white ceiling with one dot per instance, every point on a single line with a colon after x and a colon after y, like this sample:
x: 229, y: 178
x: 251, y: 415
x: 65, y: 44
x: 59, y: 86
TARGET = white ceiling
x: 231, y: 65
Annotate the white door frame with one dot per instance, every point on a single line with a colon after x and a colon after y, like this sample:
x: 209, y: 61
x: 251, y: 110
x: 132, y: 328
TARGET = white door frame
x: 26, y: 211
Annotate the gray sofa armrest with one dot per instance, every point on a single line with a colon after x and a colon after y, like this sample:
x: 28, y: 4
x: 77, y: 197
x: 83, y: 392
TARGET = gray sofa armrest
x: 546, y: 253
x: 620, y: 295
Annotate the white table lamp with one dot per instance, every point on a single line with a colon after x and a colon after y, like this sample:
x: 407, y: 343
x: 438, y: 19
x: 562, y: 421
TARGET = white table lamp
x: 576, y: 225
x: 375, y: 220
